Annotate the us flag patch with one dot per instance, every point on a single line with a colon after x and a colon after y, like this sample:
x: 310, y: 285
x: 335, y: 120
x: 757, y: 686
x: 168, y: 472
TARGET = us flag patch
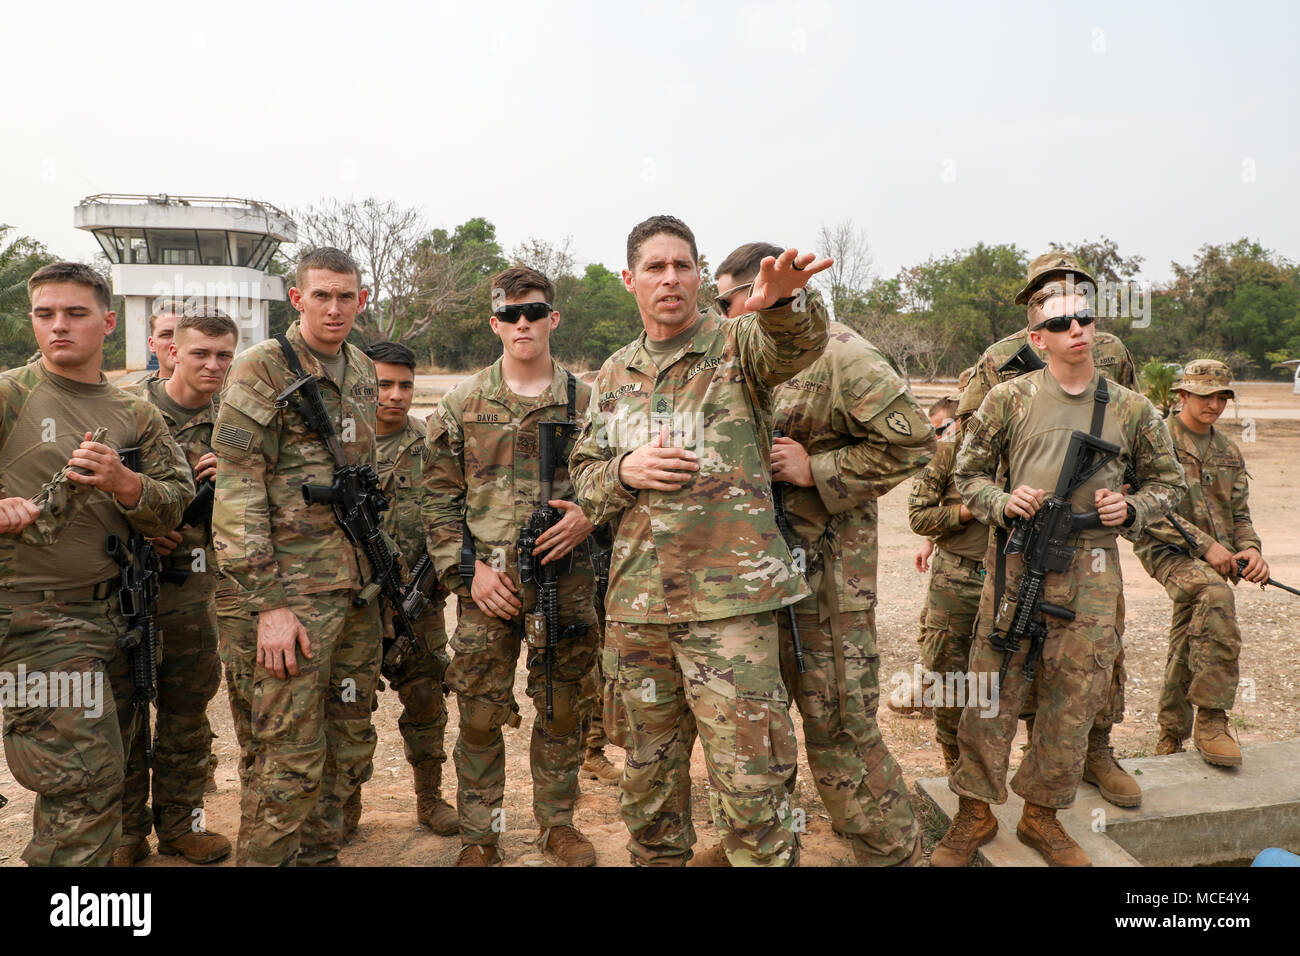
x: 228, y: 434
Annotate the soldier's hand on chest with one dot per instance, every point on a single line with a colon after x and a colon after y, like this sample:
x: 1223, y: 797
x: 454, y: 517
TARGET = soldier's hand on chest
x: 105, y: 472
x: 658, y: 468
x: 790, y: 462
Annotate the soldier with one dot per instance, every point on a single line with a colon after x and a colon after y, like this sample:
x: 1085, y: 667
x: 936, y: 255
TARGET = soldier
x: 164, y: 315
x: 851, y: 432
x: 942, y: 416
x: 1022, y: 430
x: 1113, y: 360
x: 60, y: 614
x: 423, y: 724
x: 956, y: 562
x: 1204, y: 640
x: 481, y: 485
x: 189, y: 673
x: 316, y: 664
x: 678, y: 453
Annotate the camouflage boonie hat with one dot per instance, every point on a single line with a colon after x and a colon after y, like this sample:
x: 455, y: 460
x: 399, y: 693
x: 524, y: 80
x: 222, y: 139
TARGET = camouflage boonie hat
x: 1205, y: 377
x: 1050, y: 265
x: 962, y: 381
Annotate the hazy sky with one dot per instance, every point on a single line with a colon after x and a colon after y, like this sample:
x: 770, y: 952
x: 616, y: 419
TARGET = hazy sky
x: 932, y: 126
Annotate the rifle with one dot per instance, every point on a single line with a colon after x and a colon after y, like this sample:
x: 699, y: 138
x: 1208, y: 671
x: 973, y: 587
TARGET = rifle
x: 791, y: 542
x: 602, y: 546
x: 357, y: 500
x: 542, y: 627
x: 1025, y: 360
x: 141, y: 572
x: 199, y: 511
x: 1044, y: 542
x: 1241, y: 566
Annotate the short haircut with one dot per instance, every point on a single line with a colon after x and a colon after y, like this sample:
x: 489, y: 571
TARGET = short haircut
x: 743, y: 262
x: 520, y: 280
x: 207, y: 320
x: 946, y: 405
x: 655, y: 226
x: 166, y: 305
x: 76, y: 273
x: 329, y: 259
x: 394, y: 353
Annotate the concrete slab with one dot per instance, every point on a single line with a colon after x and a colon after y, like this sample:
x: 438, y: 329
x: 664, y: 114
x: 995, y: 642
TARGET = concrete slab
x: 1192, y: 814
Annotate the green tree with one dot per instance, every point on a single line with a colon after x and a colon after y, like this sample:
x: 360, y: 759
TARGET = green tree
x: 20, y: 256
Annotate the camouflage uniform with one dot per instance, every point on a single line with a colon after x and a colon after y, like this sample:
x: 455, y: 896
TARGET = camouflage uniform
x: 864, y: 434
x: 237, y: 648
x: 689, y: 623
x: 482, y: 470
x: 312, y: 733
x: 1021, y: 428
x: 956, y: 574
x: 59, y: 613
x: 189, y: 671
x: 1204, y: 640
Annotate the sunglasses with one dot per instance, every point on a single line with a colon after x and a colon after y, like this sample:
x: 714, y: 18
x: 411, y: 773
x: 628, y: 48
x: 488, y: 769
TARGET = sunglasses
x: 532, y: 311
x: 724, y: 302
x: 1062, y: 322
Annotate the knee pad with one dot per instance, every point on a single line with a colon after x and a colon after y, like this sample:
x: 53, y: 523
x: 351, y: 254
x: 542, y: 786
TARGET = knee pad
x: 480, y: 721
x: 565, y: 699
x: 422, y: 699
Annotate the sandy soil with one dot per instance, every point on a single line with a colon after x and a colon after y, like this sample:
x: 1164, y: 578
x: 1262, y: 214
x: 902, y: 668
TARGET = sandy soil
x: 1268, y: 702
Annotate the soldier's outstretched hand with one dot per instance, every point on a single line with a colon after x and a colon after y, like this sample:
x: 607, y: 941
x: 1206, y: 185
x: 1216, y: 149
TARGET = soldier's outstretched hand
x: 494, y: 592
x: 657, y: 467
x: 779, y: 277
x: 566, y: 534
x: 278, y: 633
x: 16, y: 514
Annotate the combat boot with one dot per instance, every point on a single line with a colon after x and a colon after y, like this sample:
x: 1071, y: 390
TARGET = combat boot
x: 567, y: 847
x: 351, y: 814
x: 598, y: 767
x: 713, y: 856
x: 1169, y: 744
x: 1039, y: 828
x: 476, y: 855
x: 430, y: 809
x: 972, y: 827
x: 130, y: 851
x: 1102, y: 770
x: 196, y: 847
x: 1212, y: 739
x: 950, y: 755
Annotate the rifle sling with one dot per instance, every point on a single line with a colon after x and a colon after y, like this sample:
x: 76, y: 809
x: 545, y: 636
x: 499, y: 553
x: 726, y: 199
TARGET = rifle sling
x: 830, y: 600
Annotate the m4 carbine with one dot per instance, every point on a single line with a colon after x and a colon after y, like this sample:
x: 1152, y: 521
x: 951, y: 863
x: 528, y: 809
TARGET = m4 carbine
x: 1043, y: 540
x: 783, y: 525
x: 542, y: 627
x: 358, y: 501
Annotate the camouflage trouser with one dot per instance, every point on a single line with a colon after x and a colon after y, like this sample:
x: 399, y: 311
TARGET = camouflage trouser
x: 313, y: 733
x: 1204, y: 641
x: 724, y: 678
x: 237, y: 648
x: 592, y: 705
x: 482, y: 675
x: 1074, y: 675
x: 189, y: 674
x: 859, y: 781
x: 66, y: 745
x: 948, y: 622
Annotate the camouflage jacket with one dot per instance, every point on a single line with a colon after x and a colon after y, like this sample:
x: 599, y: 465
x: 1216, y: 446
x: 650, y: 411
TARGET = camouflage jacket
x: 194, y: 553
x: 1109, y: 355
x: 482, y: 467
x: 268, y: 540
x: 864, y: 434
x: 710, y: 550
x: 993, y: 434
x: 43, y: 419
x: 1216, y: 506
x: 402, y: 481
x: 934, y: 506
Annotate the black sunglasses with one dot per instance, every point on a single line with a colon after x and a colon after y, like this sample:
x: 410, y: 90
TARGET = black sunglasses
x: 1062, y: 322
x: 532, y: 311
x: 724, y: 302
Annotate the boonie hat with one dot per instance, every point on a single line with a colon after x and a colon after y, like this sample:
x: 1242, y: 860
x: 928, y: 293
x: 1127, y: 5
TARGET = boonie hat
x: 1050, y: 265
x: 1205, y: 377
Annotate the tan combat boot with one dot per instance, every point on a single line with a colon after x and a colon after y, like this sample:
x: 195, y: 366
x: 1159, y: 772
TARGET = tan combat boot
x: 567, y: 847
x: 1169, y: 744
x: 1212, y: 739
x: 1102, y: 770
x: 598, y: 767
x: 1040, y: 829
x: 972, y: 827
x: 196, y: 847
x: 430, y: 809
x: 130, y: 851
x: 351, y: 814
x: 713, y: 856
x: 475, y: 855
x: 950, y: 755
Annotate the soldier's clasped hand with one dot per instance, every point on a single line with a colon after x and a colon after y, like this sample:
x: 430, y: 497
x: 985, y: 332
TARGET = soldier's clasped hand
x: 1220, y: 558
x: 779, y: 277
x: 106, y: 472
x: 167, y: 543
x: 1025, y: 502
x: 657, y: 467
x: 206, y: 468
x: 494, y: 592
x: 16, y: 514
x: 566, y: 534
x: 790, y: 462
x: 1256, y: 570
x: 1112, y: 507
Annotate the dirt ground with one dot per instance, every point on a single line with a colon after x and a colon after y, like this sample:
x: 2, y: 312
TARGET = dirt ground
x: 1266, y: 425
